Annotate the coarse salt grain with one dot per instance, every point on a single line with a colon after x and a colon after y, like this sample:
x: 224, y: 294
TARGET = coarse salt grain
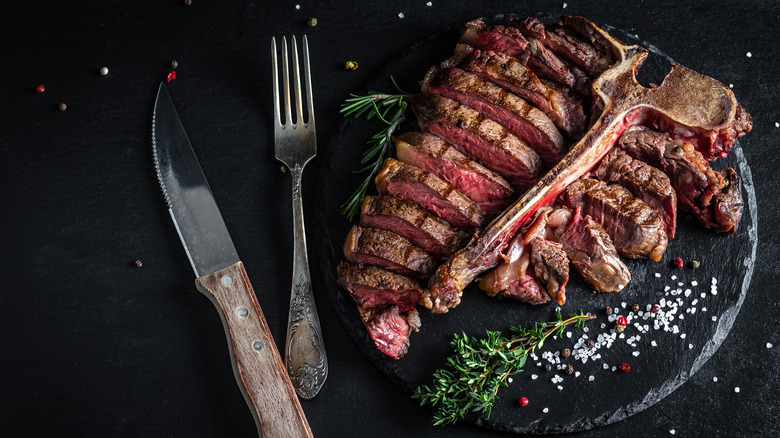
x: 576, y: 374
x: 769, y: 345
x: 429, y: 4
x: 736, y: 389
x: 636, y: 353
x: 564, y: 5
x: 400, y: 15
x: 749, y: 55
x: 731, y: 85
x: 560, y: 388
x: 674, y: 277
x: 777, y: 124
x: 534, y: 376
x: 714, y: 379
x: 545, y: 410
x: 591, y: 378
x: 672, y: 431
x: 714, y: 318
x: 297, y: 6
x: 509, y: 379
x: 653, y: 343
x: 694, y: 283
x: 690, y: 346
x: 657, y: 275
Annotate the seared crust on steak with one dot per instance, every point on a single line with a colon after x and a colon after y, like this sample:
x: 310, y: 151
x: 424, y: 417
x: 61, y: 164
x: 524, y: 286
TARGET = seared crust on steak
x: 431, y: 192
x: 518, y: 116
x: 372, y: 286
x: 388, y: 250
x: 480, y: 184
x: 644, y: 181
x: 410, y: 220
x: 713, y: 197
x: 479, y: 137
x: 551, y: 266
x: 636, y: 228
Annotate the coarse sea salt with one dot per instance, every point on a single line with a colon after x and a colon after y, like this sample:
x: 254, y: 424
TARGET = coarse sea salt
x: 736, y: 389
x: 429, y: 4
x: 545, y: 410
x: 400, y: 15
x: 749, y: 55
x: 534, y: 376
x: 591, y: 378
x: 769, y: 345
x: 672, y: 431
x: 714, y: 379
x: 657, y: 275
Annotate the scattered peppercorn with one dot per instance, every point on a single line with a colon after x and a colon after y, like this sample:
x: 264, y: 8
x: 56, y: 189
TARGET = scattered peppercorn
x: 103, y: 71
x: 608, y: 311
x: 678, y: 262
x: 635, y: 308
x: 619, y: 328
x: 569, y: 369
x: 138, y: 263
x: 62, y: 107
x: 187, y: 2
x: 174, y: 63
x: 351, y: 65
x: 547, y: 367
x: 591, y: 343
x: 566, y: 352
x: 312, y: 22
x: 624, y: 367
x: 171, y: 76
x: 40, y: 89
x: 522, y: 401
x: 695, y: 264
x: 655, y: 309
x: 622, y: 321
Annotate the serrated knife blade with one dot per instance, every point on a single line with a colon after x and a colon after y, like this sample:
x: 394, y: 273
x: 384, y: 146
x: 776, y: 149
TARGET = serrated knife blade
x: 257, y: 364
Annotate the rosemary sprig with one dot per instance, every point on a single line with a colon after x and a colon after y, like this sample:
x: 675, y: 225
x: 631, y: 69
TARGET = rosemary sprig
x: 479, y: 367
x: 391, y: 110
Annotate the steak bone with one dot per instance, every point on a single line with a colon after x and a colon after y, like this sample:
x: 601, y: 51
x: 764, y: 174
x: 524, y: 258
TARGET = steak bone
x: 685, y: 98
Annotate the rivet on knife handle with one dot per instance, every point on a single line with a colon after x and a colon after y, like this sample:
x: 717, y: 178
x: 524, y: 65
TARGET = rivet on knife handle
x: 256, y: 362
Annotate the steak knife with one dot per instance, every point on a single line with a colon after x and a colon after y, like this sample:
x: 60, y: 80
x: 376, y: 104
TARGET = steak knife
x: 257, y: 365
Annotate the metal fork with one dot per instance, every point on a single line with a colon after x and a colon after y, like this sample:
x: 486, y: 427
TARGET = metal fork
x: 296, y: 145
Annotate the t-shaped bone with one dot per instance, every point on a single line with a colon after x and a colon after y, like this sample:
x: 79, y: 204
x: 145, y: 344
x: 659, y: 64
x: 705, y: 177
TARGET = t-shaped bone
x: 691, y: 102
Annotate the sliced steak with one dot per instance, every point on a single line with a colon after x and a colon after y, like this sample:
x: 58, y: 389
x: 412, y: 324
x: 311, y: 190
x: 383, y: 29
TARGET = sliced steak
x: 551, y: 266
x: 545, y: 64
x: 499, y: 38
x: 479, y: 137
x: 564, y: 110
x: 478, y: 183
x: 594, y: 255
x: 390, y: 328
x: 564, y: 44
x: 636, y: 228
x: 514, y: 277
x: 372, y: 286
x: 518, y: 116
x: 644, y: 181
x: 713, y: 197
x: 431, y: 192
x: 588, y: 32
x: 388, y: 250
x: 411, y: 221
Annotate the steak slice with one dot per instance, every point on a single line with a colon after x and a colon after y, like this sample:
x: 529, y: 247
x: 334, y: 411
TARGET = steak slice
x: 713, y: 197
x: 518, y: 116
x: 564, y: 110
x: 636, y: 228
x: 390, y: 328
x: 594, y: 255
x: 430, y: 191
x: 588, y: 32
x: 478, y: 183
x: 479, y: 137
x: 545, y: 64
x: 371, y: 286
x: 644, y: 181
x: 411, y: 221
x: 499, y: 38
x: 565, y: 45
x: 514, y: 277
x: 388, y: 250
x: 551, y: 266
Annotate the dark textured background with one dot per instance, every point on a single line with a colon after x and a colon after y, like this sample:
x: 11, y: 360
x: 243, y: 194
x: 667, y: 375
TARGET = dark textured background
x: 90, y: 345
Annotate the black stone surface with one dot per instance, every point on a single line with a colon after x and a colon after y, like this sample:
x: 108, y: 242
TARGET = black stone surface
x: 94, y: 346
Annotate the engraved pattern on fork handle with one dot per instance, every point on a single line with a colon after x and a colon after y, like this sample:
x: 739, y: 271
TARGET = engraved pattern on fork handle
x: 305, y: 357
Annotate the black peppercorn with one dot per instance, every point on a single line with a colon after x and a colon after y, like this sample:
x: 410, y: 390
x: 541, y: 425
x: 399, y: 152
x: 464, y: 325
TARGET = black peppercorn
x: 187, y: 2
x: 62, y: 107
x: 547, y: 367
x: 174, y: 63
x: 591, y: 343
x: 608, y: 311
x: 565, y: 352
x: 569, y: 369
x: 138, y: 263
x: 635, y: 308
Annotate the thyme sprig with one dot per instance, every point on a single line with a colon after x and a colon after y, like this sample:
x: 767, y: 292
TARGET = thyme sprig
x: 479, y: 367
x: 390, y: 109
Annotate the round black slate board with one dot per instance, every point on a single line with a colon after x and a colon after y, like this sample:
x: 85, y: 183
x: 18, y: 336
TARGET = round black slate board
x: 665, y: 359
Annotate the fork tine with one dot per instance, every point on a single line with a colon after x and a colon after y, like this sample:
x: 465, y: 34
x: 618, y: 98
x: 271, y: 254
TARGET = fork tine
x: 297, y: 75
x: 285, y: 66
x: 275, y: 79
x: 307, y: 71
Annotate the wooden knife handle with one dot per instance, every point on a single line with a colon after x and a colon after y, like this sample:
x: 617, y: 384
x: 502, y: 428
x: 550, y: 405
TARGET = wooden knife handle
x: 257, y: 365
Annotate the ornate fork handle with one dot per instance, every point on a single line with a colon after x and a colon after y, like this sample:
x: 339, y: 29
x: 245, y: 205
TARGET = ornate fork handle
x: 305, y: 355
